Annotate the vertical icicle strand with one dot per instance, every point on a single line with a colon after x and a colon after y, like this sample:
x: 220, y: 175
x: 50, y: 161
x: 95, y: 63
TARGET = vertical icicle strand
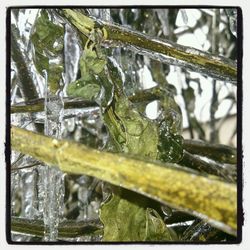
x: 51, y: 177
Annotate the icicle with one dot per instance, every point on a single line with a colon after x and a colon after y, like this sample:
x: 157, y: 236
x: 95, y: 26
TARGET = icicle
x: 122, y: 17
x: 52, y: 179
x: 28, y: 179
x: 23, y: 192
x: 164, y: 19
x: 71, y: 54
x: 15, y: 180
x: 83, y: 196
x: 53, y: 201
x: 105, y: 15
x: 232, y: 15
x: 184, y: 16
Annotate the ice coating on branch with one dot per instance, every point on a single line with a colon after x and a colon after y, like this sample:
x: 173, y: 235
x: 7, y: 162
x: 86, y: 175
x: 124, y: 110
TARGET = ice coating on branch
x: 202, y: 68
x: 232, y: 15
x: 183, y: 64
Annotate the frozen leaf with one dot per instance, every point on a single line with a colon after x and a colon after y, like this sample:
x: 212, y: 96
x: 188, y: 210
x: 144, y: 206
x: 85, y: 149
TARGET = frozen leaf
x: 94, y: 82
x: 130, y: 131
x: 47, y: 40
x: 126, y: 218
x: 47, y: 36
x: 80, y: 89
x: 170, y: 145
x: 156, y: 230
x: 55, y: 73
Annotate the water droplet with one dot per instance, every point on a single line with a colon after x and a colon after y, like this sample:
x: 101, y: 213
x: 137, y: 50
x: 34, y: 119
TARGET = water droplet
x: 70, y: 124
x: 167, y: 211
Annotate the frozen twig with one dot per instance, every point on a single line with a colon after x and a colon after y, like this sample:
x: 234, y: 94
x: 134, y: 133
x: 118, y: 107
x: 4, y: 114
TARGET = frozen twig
x: 217, y: 67
x: 66, y: 229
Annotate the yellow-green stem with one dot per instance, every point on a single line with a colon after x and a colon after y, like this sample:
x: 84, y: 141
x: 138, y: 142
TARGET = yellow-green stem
x: 208, y: 198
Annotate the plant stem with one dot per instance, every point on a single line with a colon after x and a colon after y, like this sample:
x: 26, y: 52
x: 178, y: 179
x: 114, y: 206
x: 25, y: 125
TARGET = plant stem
x: 67, y: 229
x: 37, y: 105
x: 177, y: 217
x: 205, y: 197
x: 225, y: 171
x: 196, y: 60
x: 26, y: 83
x: 214, y: 136
x: 217, y: 152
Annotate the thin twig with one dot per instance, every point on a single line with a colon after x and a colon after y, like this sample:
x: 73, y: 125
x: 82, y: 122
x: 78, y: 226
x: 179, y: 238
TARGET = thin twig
x: 67, y: 229
x: 26, y: 83
x: 227, y: 172
x: 37, y: 105
x: 217, y: 152
x: 25, y: 167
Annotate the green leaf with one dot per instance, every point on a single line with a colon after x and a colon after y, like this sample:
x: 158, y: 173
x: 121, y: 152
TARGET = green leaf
x: 123, y: 220
x: 47, y: 36
x: 94, y: 82
x: 126, y: 218
x: 156, y: 230
x: 170, y: 145
x: 81, y: 89
x: 47, y: 39
x: 55, y: 72
x: 41, y: 62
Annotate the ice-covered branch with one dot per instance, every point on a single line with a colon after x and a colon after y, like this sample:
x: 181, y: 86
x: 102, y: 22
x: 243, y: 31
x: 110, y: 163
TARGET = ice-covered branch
x: 217, y: 152
x: 207, y: 198
x: 66, y: 229
x: 168, y: 52
x: 37, y: 105
x: 26, y: 83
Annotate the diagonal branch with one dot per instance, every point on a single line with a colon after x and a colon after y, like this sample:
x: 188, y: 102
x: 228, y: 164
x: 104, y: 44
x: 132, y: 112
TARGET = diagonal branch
x: 26, y: 82
x: 207, y: 198
x: 217, y: 67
